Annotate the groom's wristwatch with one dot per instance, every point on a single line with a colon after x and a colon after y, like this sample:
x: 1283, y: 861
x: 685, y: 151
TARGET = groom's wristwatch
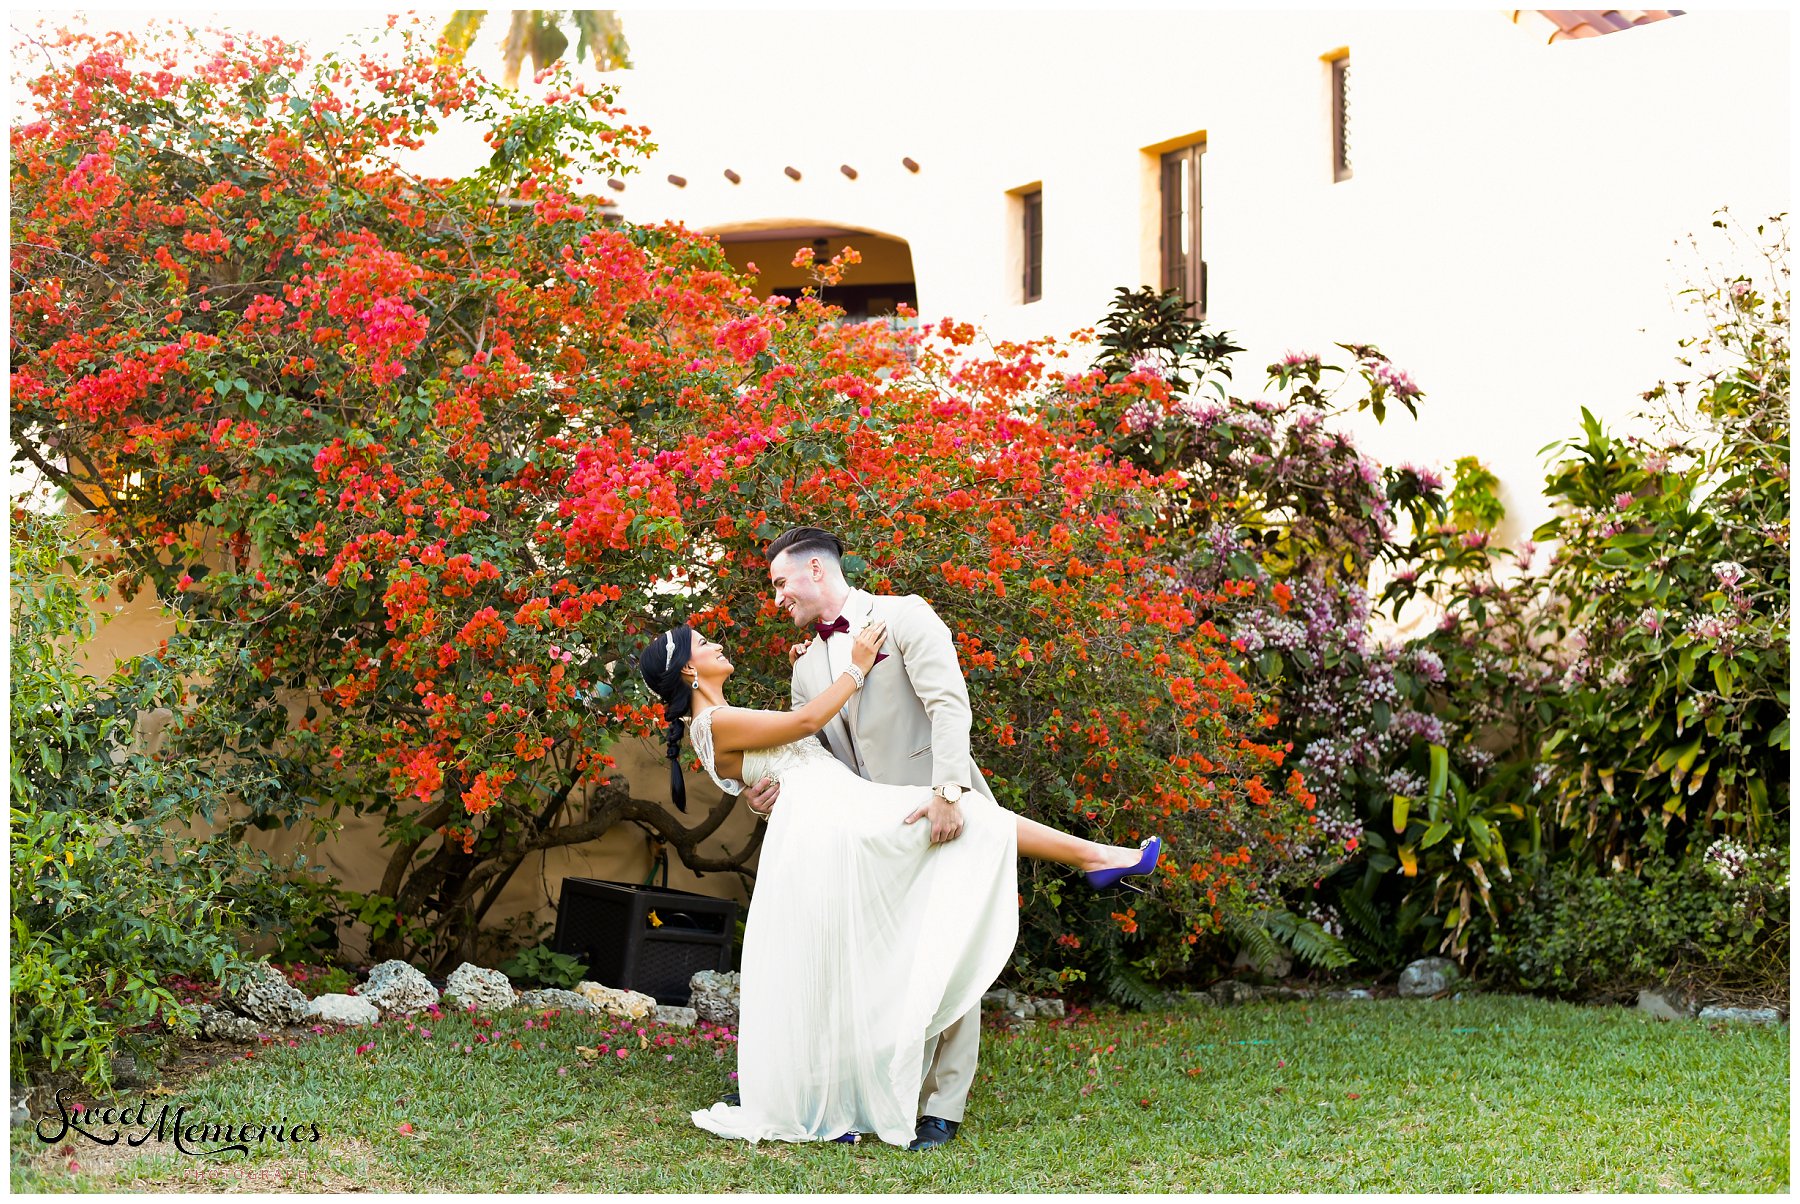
x: 951, y: 792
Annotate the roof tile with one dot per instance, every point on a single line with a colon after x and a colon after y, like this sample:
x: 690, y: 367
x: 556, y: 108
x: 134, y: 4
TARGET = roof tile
x: 1567, y: 24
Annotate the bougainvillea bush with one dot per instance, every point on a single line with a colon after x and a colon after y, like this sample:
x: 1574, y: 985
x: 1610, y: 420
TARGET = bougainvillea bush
x: 453, y: 450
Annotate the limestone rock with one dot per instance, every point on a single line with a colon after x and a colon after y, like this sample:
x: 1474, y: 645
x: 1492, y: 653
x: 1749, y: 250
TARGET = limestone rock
x: 265, y: 995
x: 1280, y: 967
x: 1015, y: 1006
x: 1741, y: 1015
x: 1667, y: 1004
x: 674, y: 1017
x: 715, y: 996
x: 539, y: 998
x: 345, y: 1009
x: 1286, y: 994
x: 488, y: 990
x: 1351, y: 993
x: 394, y: 986
x: 216, y: 1024
x: 1428, y: 976
x: 616, y: 1001
x: 21, y: 1109
x: 1231, y: 992
x: 129, y: 1071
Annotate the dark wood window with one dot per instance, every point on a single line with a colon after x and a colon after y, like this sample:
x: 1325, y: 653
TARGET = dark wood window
x: 1340, y: 118
x: 861, y: 302
x: 1183, y: 269
x: 1034, y: 244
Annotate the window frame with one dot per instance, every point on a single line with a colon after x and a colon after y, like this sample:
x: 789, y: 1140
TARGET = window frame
x: 1185, y: 273
x: 1337, y: 66
x: 1031, y: 232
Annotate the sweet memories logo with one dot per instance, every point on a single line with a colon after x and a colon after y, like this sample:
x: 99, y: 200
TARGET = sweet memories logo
x: 106, y: 1126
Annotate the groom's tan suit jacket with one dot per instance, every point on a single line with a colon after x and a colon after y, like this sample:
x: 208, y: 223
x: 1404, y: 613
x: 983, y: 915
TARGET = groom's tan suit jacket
x: 908, y: 726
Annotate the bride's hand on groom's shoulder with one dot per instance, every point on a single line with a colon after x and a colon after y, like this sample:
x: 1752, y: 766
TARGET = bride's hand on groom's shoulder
x: 796, y: 651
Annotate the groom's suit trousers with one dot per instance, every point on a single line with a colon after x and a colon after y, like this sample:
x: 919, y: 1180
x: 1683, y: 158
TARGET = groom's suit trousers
x: 950, y: 1067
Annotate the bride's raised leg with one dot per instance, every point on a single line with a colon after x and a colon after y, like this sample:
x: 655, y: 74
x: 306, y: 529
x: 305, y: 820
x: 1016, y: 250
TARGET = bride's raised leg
x: 1042, y: 843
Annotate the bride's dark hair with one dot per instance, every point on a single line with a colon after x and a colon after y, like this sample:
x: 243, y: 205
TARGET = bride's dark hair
x: 661, y: 664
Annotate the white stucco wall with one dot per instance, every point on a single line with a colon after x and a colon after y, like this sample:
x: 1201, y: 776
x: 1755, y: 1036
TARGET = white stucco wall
x: 1506, y: 236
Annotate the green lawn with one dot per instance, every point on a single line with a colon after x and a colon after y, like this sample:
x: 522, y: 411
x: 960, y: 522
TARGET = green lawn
x: 1487, y: 1093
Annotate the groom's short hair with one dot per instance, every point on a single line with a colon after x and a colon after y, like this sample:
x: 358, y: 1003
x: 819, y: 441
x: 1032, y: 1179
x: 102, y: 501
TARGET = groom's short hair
x: 807, y: 541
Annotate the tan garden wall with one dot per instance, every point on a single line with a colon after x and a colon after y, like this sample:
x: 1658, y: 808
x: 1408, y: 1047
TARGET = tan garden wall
x: 356, y: 855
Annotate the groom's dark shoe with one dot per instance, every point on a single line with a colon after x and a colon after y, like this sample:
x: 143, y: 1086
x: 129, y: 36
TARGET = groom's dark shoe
x: 933, y: 1131
x: 734, y: 1100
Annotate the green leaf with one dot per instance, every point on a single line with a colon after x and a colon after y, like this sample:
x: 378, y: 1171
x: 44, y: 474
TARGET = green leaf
x: 1401, y: 805
x: 1440, y: 770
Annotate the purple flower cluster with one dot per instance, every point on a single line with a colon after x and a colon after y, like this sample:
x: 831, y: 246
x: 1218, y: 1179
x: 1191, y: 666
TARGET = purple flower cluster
x: 1727, y: 858
x: 1397, y: 382
x: 1429, y: 480
x: 1141, y: 416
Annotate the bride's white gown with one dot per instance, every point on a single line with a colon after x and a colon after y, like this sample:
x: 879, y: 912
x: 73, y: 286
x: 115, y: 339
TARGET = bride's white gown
x: 863, y: 940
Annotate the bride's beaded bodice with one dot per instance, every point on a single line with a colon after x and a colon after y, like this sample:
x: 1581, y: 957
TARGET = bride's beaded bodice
x: 758, y: 762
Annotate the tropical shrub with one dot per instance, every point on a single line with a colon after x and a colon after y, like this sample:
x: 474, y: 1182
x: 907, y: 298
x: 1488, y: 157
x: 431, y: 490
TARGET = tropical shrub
x: 544, y: 966
x: 1635, y: 683
x: 1673, y: 565
x: 462, y: 447
x: 111, y: 892
x: 1720, y: 919
x: 1269, y: 495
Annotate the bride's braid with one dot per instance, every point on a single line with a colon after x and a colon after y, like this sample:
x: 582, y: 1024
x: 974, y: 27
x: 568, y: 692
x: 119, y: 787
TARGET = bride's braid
x: 661, y: 665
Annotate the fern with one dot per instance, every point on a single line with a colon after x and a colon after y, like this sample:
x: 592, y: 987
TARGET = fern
x: 1125, y: 985
x: 1255, y: 939
x: 1372, y: 941
x: 1308, y: 939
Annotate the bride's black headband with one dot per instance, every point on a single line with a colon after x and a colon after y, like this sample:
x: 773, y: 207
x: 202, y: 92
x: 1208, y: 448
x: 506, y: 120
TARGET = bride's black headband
x: 661, y: 665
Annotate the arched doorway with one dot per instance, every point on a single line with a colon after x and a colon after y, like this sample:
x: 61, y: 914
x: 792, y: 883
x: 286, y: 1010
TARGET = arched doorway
x: 871, y: 289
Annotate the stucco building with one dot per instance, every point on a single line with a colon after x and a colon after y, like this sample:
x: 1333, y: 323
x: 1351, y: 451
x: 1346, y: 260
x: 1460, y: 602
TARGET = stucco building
x: 1495, y: 198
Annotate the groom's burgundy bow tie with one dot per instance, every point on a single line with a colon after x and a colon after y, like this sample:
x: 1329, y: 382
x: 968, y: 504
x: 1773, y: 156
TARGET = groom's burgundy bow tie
x: 841, y: 626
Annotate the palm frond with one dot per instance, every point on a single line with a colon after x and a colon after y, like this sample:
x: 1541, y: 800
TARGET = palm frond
x: 547, y: 42
x: 600, y: 33
x: 460, y: 30
x: 512, y: 51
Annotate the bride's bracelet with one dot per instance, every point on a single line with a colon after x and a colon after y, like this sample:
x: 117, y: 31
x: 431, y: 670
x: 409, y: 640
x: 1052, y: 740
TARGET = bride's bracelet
x: 856, y: 675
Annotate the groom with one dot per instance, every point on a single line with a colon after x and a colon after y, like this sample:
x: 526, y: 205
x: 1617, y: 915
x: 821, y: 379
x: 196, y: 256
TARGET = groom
x: 908, y: 726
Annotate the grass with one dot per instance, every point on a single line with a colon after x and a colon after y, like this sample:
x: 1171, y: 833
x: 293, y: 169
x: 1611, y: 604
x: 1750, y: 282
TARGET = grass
x: 1490, y: 1093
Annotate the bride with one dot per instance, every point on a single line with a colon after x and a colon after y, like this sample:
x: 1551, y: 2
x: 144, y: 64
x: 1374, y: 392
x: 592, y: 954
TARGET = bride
x: 864, y: 939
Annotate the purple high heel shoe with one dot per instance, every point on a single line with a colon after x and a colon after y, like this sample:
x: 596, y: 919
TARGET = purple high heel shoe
x: 1101, y: 879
